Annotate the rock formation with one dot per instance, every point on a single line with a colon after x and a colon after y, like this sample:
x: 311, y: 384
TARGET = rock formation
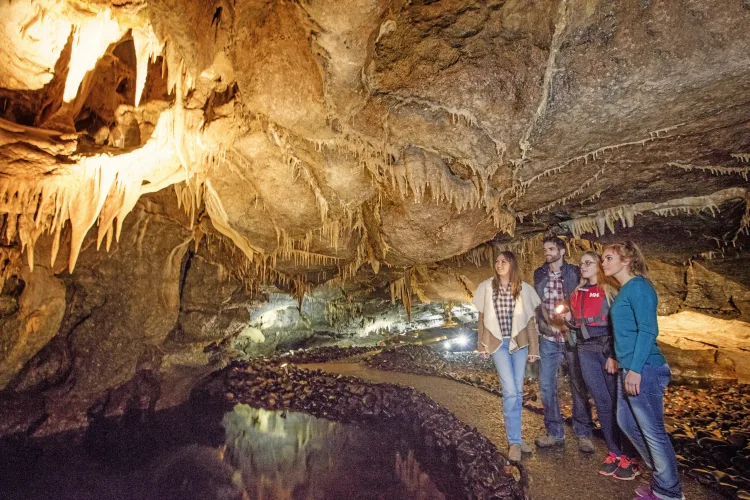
x: 170, y: 169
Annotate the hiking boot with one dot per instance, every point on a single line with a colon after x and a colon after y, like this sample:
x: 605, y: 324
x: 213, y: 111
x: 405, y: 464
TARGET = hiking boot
x: 526, y: 448
x: 610, y: 465
x: 548, y: 442
x: 585, y: 445
x: 514, y: 453
x: 626, y: 470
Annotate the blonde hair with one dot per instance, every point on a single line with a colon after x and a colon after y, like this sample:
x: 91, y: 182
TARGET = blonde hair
x: 608, y: 283
x: 630, y: 251
x: 515, y: 274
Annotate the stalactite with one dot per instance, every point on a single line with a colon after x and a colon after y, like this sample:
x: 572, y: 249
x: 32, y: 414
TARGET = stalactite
x: 602, y: 220
x: 714, y: 169
x: 147, y: 47
x: 742, y: 157
x: 594, y: 155
x: 407, y: 287
x: 92, y: 38
x: 101, y: 187
x: 478, y: 256
x: 578, y: 191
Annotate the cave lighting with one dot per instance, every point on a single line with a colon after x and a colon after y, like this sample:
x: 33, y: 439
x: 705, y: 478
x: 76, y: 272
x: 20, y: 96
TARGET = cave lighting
x: 462, y: 340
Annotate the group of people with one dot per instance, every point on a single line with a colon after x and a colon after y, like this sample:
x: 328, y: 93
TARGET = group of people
x: 600, y: 317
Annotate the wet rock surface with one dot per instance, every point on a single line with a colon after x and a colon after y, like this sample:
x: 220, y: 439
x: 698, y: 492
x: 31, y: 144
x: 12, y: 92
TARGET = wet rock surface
x: 484, y: 471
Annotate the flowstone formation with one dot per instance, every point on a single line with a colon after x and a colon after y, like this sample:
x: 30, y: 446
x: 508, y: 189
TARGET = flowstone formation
x: 170, y: 169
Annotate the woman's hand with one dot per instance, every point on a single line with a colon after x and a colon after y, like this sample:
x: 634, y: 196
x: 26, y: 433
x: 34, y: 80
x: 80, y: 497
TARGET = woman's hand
x: 633, y: 383
x: 483, y: 354
x: 568, y: 316
x: 611, y: 366
x: 533, y: 358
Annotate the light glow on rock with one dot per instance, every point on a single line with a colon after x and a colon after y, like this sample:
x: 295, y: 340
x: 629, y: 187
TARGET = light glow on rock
x: 90, y: 42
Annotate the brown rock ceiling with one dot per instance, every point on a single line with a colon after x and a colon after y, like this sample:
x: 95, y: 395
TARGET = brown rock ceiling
x: 360, y: 145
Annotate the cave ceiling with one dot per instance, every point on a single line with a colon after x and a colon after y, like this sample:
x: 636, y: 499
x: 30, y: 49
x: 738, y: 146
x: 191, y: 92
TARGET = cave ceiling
x: 357, y: 139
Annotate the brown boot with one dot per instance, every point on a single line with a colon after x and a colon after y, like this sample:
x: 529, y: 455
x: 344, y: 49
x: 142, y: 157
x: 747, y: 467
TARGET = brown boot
x: 514, y: 453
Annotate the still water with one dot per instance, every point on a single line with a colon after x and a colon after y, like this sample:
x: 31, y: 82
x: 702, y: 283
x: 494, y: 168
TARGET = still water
x: 245, y: 454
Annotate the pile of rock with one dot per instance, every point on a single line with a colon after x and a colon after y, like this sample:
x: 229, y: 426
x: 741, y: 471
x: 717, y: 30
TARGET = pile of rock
x: 710, y: 429
x: 324, y: 354
x: 485, y: 473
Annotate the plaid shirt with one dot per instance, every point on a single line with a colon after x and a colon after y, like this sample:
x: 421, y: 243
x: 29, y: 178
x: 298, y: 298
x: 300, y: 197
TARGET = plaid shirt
x: 504, y: 306
x: 553, y: 296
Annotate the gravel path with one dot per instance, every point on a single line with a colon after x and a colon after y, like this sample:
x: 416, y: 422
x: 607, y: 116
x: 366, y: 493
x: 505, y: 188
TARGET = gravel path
x: 559, y: 474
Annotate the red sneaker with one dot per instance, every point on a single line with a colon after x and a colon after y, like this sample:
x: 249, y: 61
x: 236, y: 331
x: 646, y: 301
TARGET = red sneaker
x: 627, y: 469
x: 610, y: 465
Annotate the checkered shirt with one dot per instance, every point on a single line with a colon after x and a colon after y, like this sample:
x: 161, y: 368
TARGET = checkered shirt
x: 504, y: 306
x: 553, y: 296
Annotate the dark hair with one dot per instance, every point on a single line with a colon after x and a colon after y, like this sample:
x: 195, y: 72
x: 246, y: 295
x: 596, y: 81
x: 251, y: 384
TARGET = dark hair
x: 554, y: 239
x: 515, y: 274
x: 630, y: 251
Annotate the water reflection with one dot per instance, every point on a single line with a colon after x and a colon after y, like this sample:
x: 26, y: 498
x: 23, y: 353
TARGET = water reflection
x: 195, y: 452
x: 297, y: 456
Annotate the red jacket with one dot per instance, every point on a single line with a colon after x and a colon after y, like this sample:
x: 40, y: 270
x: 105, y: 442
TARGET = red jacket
x: 590, y: 311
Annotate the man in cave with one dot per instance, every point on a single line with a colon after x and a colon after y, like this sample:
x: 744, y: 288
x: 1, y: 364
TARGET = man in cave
x: 555, y: 281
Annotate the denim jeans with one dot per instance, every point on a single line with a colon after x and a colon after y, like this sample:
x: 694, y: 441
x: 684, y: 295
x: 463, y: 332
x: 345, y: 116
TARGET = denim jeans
x: 511, y: 368
x: 552, y: 354
x: 641, y: 418
x: 602, y: 386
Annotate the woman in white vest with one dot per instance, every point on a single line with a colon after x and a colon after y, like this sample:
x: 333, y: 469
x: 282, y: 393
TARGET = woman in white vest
x: 507, y: 331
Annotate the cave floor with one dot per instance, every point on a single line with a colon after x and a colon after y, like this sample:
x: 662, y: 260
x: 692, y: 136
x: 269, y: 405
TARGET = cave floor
x: 560, y: 474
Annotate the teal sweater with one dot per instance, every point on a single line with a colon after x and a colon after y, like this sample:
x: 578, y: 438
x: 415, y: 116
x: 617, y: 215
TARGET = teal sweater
x: 633, y: 315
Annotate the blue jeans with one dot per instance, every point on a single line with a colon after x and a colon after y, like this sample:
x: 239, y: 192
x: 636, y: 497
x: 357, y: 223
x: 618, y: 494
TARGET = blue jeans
x: 511, y: 368
x: 552, y: 354
x: 641, y: 418
x: 602, y: 386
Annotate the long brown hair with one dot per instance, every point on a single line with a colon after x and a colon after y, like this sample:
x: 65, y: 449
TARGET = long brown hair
x: 630, y: 251
x: 610, y: 285
x: 515, y: 274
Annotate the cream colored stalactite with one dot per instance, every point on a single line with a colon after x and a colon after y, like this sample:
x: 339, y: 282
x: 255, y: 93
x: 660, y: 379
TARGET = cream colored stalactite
x: 413, y: 177
x: 299, y: 168
x: 407, y: 287
x: 90, y: 41
x: 599, y: 222
x: 99, y: 187
x: 147, y: 47
x: 220, y: 221
x: 594, y: 155
x: 742, y: 157
x: 714, y: 169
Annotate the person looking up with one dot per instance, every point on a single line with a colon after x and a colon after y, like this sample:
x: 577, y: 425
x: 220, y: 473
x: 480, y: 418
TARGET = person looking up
x: 507, y: 331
